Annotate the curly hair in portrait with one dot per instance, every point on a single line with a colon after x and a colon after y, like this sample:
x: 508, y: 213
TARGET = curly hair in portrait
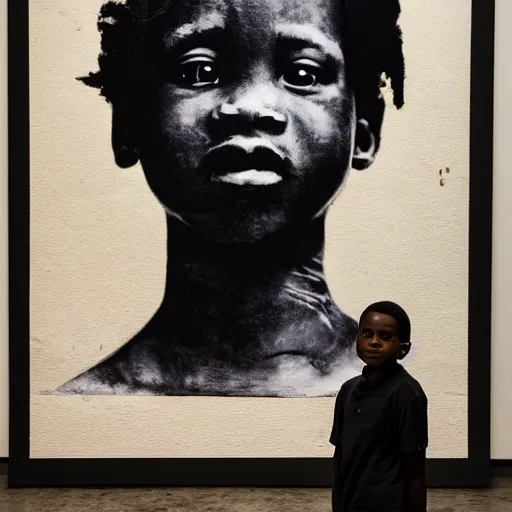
x: 372, y: 48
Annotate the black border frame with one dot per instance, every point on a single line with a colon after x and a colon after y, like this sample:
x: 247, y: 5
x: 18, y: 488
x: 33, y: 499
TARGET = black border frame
x: 475, y: 471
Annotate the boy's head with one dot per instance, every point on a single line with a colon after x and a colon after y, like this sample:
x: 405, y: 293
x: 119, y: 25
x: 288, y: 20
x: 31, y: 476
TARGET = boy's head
x: 384, y: 334
x: 247, y: 114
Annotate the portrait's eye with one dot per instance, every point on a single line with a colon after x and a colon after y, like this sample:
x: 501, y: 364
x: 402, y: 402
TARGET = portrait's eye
x: 367, y: 333
x: 303, y: 75
x: 198, y: 69
x: 198, y: 73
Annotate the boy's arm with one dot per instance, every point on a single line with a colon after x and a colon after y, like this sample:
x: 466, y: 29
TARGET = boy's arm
x: 337, y: 424
x: 413, y: 432
x: 335, y: 439
x: 415, y: 486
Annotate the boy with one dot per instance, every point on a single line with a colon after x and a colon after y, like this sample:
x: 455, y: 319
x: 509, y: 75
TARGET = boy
x: 380, y: 428
x: 246, y: 116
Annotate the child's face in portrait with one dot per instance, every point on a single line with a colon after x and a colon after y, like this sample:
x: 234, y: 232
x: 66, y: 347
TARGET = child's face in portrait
x: 247, y: 119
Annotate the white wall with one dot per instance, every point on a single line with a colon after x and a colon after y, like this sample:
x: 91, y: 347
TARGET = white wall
x: 501, y: 421
x: 502, y: 305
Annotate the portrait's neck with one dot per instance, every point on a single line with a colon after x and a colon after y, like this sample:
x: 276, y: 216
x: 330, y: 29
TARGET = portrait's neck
x: 284, y: 250
x: 255, y: 292
x: 214, y: 269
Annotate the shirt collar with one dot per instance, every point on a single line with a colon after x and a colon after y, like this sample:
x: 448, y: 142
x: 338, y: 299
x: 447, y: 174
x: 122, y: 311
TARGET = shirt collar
x: 383, y: 373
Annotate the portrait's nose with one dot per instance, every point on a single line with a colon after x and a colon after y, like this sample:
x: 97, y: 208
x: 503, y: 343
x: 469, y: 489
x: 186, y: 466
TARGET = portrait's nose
x: 251, y: 109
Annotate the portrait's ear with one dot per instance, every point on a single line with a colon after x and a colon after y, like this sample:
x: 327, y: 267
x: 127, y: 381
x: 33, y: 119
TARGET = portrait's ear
x: 405, y: 348
x: 367, y: 137
x: 124, y: 140
x: 365, y: 147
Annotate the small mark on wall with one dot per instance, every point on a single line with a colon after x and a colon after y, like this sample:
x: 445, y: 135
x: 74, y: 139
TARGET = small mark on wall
x: 442, y: 173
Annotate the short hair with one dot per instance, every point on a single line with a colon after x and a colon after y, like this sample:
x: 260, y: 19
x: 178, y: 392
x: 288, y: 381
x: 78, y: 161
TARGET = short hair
x: 395, y: 311
x: 372, y: 47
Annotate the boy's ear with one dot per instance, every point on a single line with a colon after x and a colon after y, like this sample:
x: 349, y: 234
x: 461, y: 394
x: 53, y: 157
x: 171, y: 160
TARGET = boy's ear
x: 370, y: 114
x: 126, y: 152
x: 405, y: 348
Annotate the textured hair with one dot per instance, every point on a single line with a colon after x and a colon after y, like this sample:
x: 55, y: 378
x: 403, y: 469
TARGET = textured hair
x: 372, y: 47
x: 395, y: 311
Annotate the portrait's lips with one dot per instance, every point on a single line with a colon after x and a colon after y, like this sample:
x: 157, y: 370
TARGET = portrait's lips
x: 250, y: 177
x: 246, y: 162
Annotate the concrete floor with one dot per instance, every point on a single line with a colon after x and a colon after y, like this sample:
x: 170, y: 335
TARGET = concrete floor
x: 499, y: 499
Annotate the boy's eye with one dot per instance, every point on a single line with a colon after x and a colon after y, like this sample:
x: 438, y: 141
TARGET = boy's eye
x: 198, y: 71
x: 367, y: 333
x: 386, y: 336
x: 302, y: 75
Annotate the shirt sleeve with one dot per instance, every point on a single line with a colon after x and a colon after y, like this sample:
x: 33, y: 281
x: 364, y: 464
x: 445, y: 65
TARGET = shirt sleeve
x: 413, y: 426
x: 337, y: 424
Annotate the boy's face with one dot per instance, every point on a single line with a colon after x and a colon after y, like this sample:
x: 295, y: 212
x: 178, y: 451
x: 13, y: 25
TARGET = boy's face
x: 378, y: 341
x: 248, y: 123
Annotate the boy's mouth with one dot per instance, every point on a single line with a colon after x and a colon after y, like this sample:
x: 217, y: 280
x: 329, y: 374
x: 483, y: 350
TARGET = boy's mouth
x: 246, y: 162
x: 372, y: 354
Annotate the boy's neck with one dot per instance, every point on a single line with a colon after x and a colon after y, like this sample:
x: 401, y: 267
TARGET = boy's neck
x: 376, y: 375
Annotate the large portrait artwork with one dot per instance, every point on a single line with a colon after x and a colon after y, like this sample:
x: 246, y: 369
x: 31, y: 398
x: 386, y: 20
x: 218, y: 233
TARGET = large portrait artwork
x: 204, y: 197
x: 246, y: 118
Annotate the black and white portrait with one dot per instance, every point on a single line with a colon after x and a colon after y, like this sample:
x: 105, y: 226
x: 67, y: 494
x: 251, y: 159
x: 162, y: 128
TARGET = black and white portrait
x: 246, y: 117
x: 205, y: 196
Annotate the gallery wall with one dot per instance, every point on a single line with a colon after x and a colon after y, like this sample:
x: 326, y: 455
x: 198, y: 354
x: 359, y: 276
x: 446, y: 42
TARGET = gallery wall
x: 502, y: 308
x: 501, y: 421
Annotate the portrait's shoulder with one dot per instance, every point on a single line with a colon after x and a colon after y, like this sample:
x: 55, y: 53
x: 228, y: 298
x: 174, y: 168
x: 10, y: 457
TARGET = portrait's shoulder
x: 346, y: 325
x: 133, y: 369
x: 100, y: 380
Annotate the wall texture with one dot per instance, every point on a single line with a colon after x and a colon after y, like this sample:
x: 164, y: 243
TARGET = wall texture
x: 502, y: 278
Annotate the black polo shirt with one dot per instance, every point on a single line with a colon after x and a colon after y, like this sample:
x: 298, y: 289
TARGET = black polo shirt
x: 372, y: 429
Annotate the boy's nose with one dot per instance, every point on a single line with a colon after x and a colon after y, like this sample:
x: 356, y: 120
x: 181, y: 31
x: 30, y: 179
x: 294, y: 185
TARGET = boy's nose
x: 254, y: 110
x: 375, y: 342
